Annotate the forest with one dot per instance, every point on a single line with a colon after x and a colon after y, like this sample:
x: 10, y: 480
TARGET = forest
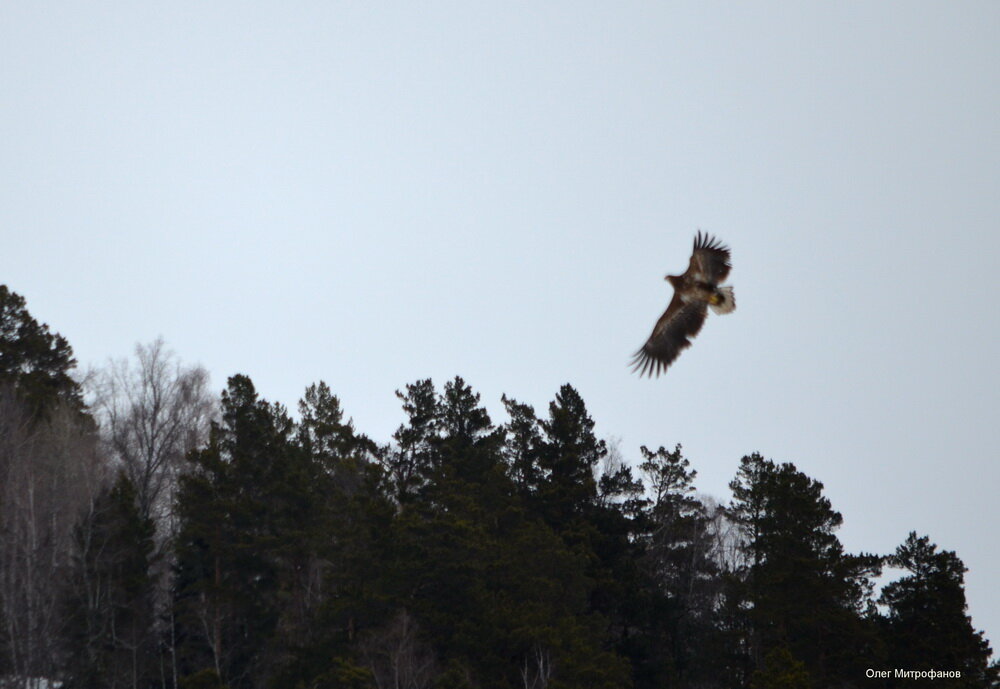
x: 156, y: 534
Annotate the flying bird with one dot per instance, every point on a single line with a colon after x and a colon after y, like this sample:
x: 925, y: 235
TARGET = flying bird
x: 694, y: 292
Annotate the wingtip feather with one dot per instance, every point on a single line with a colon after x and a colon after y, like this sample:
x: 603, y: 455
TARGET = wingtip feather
x: 647, y: 366
x: 642, y: 364
x: 704, y: 240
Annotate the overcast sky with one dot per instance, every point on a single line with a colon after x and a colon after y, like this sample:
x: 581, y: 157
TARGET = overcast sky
x: 325, y: 190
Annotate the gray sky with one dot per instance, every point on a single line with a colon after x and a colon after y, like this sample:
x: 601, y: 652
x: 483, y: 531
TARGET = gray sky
x: 322, y: 190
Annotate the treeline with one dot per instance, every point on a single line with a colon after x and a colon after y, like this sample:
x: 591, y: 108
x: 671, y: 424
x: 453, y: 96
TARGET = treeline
x: 156, y: 536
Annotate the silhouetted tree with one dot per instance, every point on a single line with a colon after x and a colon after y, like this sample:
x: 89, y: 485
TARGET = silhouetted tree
x: 684, y: 577
x: 110, y: 635
x: 241, y: 509
x: 462, y: 555
x: 781, y: 671
x: 36, y: 362
x: 410, y: 463
x: 800, y: 589
x: 523, y: 447
x: 49, y: 471
x: 927, y: 625
x: 568, y: 459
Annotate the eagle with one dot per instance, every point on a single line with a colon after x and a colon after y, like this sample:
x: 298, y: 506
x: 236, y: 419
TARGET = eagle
x: 694, y: 292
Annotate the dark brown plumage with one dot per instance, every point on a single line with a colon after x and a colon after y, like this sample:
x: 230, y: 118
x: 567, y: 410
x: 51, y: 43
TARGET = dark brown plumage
x: 694, y: 292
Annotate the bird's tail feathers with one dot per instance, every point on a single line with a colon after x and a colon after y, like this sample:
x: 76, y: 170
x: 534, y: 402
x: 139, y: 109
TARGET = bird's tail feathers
x: 726, y: 301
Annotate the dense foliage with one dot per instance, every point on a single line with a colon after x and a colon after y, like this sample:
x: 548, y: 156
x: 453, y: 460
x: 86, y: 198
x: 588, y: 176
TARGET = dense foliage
x: 273, y: 551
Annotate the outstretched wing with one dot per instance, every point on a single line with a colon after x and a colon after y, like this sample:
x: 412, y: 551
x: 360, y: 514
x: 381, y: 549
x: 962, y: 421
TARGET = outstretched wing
x: 709, y: 260
x: 671, y: 335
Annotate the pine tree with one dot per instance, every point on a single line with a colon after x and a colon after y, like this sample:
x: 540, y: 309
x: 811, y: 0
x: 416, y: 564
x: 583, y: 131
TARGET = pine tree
x: 568, y: 460
x: 927, y: 626
x: 803, y: 591
x: 110, y: 633
x: 450, y: 484
x: 334, y: 555
x: 679, y: 543
x: 50, y: 469
x: 522, y: 448
x: 409, y: 465
x: 683, y: 575
x: 781, y: 671
x: 596, y: 518
x: 324, y: 434
x: 244, y: 508
x: 500, y: 596
x: 36, y: 362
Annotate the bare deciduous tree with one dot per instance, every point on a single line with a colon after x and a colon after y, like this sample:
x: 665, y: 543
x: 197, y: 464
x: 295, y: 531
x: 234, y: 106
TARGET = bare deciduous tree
x: 152, y: 412
x: 728, y: 541
x: 397, y: 657
x: 536, y: 670
x: 50, y: 471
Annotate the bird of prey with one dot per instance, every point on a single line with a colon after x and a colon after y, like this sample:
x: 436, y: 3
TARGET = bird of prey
x: 694, y: 292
